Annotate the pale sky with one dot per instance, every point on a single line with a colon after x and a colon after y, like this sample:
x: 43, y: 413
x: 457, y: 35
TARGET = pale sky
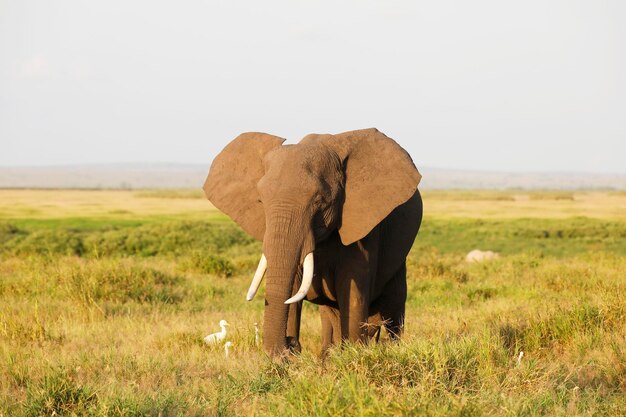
x: 535, y: 85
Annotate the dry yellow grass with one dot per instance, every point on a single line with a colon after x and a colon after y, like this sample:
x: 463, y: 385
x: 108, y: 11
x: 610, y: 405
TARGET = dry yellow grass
x: 53, y: 204
x: 50, y: 204
x: 509, y: 205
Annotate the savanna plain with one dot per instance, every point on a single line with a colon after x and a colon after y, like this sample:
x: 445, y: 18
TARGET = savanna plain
x: 105, y: 297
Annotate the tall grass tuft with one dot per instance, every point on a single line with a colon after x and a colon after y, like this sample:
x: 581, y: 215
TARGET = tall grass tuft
x: 59, y: 394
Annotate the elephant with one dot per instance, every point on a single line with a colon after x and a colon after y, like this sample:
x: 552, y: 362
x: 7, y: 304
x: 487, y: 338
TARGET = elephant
x: 337, y: 215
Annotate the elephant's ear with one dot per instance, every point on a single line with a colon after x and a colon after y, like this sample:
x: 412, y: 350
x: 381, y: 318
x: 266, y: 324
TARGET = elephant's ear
x: 231, y: 183
x: 380, y: 176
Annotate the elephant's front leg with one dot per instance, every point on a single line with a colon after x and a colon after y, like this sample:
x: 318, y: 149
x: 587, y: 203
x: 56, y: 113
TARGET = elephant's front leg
x: 354, y: 276
x: 353, y: 299
x: 293, y: 321
x: 293, y: 327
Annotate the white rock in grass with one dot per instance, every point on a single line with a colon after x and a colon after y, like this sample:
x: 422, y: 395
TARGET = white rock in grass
x: 478, y: 255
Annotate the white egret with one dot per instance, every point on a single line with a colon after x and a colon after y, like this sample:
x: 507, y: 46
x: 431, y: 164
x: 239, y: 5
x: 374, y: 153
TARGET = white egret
x: 215, y: 338
x: 227, y: 346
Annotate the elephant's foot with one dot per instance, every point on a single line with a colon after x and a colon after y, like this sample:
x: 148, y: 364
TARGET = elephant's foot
x: 326, y: 351
x: 293, y: 345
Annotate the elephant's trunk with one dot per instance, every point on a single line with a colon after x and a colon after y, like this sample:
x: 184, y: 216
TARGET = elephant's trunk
x: 277, y: 289
x: 286, y: 244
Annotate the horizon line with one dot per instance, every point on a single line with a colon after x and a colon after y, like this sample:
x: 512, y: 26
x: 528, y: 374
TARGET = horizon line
x: 198, y: 164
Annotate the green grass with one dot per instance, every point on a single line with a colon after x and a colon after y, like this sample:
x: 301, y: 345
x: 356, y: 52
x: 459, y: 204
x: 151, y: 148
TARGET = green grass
x: 509, y: 236
x: 150, y: 239
x: 105, y: 317
x: 176, y: 237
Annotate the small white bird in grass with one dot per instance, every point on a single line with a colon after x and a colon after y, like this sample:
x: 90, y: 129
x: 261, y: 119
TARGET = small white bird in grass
x: 215, y: 338
x: 256, y: 334
x: 227, y: 346
x: 519, y: 357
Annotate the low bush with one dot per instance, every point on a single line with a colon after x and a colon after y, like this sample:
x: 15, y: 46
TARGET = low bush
x: 8, y: 231
x: 175, y: 238
x: 47, y: 242
x: 167, y: 239
x: 207, y: 263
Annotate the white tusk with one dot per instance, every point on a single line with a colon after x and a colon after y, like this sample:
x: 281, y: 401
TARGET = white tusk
x: 307, y: 278
x: 258, y: 277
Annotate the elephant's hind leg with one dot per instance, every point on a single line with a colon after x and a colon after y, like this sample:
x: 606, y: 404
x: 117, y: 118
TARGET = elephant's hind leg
x: 394, y: 315
x: 374, y: 325
x: 331, y: 331
x: 389, y: 308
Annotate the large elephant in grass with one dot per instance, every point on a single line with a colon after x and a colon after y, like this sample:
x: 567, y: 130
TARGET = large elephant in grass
x: 337, y: 215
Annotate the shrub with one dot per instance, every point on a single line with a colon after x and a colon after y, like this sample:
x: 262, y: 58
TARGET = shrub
x: 165, y: 239
x: 174, y: 238
x: 8, y: 231
x: 49, y: 241
x: 209, y: 264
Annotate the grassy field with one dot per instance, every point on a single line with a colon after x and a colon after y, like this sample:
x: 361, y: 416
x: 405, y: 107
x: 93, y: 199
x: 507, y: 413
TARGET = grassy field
x: 105, y: 297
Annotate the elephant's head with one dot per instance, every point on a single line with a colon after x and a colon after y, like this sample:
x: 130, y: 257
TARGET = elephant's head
x: 294, y: 196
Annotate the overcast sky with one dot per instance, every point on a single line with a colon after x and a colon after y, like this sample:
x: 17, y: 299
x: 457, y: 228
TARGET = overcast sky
x: 535, y: 85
